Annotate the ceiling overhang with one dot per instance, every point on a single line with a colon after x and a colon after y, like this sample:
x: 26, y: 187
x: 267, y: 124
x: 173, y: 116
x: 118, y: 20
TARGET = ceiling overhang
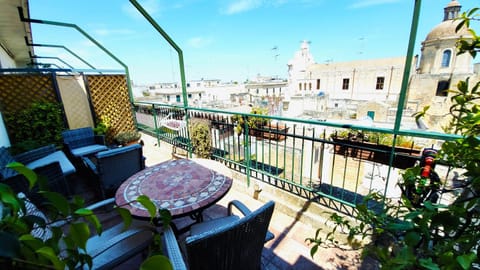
x: 13, y: 31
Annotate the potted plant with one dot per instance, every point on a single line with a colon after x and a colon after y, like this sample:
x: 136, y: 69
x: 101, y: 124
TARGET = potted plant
x: 376, y: 146
x: 127, y: 137
x: 253, y: 123
x: 201, y: 137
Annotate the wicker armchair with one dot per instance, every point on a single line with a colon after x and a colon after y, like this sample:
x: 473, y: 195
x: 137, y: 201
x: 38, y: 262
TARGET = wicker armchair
x: 45, y: 161
x: 229, y: 242
x: 83, y: 142
x: 114, y: 166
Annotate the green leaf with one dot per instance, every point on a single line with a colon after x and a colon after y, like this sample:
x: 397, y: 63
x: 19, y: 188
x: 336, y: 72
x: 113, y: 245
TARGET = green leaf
x: 313, y: 250
x: 429, y: 264
x: 412, y: 238
x: 93, y: 219
x: 48, y: 253
x: 80, y: 233
x: 148, y: 204
x: 22, y: 169
x: 58, y: 201
x: 32, y: 242
x: 125, y: 215
x: 166, y: 217
x: 8, y: 197
x: 83, y: 212
x: 466, y: 260
x: 157, y: 262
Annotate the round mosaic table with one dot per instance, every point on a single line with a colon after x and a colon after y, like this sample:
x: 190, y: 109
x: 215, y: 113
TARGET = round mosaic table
x: 182, y: 186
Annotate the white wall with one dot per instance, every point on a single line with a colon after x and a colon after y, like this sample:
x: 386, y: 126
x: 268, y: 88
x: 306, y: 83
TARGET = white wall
x: 4, y: 140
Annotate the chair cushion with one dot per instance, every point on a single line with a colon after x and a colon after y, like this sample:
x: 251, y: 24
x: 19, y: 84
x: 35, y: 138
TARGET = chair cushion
x: 65, y: 164
x: 88, y: 150
x: 5, y: 158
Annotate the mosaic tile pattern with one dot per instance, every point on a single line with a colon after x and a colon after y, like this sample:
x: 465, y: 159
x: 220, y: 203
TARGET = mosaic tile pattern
x: 181, y: 186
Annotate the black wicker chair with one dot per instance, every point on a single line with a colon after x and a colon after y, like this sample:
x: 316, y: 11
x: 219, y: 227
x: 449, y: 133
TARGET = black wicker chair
x: 46, y: 161
x: 230, y: 242
x: 82, y: 142
x: 114, y: 166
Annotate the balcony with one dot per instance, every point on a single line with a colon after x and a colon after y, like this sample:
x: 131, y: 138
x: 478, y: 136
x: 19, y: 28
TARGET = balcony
x: 299, y: 163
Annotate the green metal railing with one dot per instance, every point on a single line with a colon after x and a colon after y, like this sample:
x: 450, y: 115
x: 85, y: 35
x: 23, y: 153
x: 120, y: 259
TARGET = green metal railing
x: 300, y: 156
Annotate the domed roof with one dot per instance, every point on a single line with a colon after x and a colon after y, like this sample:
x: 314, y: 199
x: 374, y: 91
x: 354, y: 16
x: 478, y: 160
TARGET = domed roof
x: 446, y: 30
x: 454, y: 3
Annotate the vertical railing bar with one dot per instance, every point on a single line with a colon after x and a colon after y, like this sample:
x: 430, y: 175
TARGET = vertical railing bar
x: 157, y: 134
x: 312, y: 158
x: 293, y: 150
x: 302, y: 153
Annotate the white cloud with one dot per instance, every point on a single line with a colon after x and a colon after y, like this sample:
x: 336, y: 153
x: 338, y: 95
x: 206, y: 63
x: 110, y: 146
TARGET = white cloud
x: 199, y: 42
x: 368, y: 3
x: 239, y: 6
x: 151, y: 6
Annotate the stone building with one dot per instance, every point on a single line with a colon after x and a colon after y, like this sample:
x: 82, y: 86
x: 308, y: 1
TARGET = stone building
x: 357, y: 89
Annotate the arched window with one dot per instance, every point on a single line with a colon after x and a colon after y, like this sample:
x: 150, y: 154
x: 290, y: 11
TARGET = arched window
x: 447, y: 54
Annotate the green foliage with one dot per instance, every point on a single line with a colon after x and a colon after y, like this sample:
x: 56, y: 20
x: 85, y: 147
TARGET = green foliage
x: 71, y: 223
x: 126, y: 137
x: 252, y: 122
x: 201, y: 137
x: 103, y: 126
x: 416, y: 232
x: 24, y: 126
x: 373, y: 137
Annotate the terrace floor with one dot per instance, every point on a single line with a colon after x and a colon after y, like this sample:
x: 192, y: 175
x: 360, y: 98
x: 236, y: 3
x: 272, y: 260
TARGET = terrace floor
x: 288, y: 250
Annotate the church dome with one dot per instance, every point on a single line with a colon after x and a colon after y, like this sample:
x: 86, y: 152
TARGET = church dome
x: 446, y: 30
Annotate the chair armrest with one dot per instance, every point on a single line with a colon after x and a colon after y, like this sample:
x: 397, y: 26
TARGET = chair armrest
x: 100, y: 139
x: 240, y: 206
x: 35, y: 154
x: 101, y: 204
x: 89, y: 163
x: 172, y: 250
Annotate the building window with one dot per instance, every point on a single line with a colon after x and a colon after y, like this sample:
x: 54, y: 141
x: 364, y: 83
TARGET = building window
x: 168, y: 98
x: 447, y: 54
x: 336, y: 105
x: 304, y: 86
x: 177, y: 97
x: 345, y: 84
x: 200, y: 95
x: 300, y: 86
x: 258, y: 91
x: 380, y: 83
x: 189, y: 95
x: 318, y: 84
x: 309, y: 86
x: 442, y: 88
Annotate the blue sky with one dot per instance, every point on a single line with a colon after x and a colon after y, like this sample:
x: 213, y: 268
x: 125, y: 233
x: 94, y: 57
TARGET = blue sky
x: 229, y: 39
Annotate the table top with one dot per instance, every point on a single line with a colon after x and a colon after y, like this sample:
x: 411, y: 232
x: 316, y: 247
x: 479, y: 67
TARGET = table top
x: 181, y: 186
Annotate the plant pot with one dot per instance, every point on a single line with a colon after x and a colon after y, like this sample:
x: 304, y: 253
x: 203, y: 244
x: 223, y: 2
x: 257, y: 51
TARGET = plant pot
x: 379, y: 153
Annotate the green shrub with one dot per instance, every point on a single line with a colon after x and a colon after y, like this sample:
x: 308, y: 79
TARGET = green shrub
x: 38, y: 125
